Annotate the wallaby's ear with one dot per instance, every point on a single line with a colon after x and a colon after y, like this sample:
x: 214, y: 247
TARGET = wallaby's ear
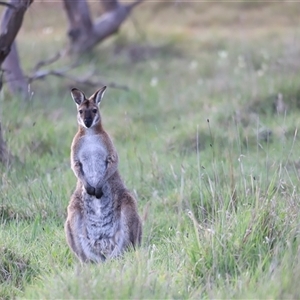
x: 97, y: 97
x: 78, y: 96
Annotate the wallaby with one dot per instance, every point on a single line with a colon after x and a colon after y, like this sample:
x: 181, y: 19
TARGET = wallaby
x: 102, y: 218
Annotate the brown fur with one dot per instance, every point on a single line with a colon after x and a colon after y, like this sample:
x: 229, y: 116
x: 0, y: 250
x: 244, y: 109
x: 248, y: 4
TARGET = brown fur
x: 102, y: 218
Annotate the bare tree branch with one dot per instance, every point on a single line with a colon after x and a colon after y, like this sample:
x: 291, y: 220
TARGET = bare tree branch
x: 7, y: 4
x: 47, y: 61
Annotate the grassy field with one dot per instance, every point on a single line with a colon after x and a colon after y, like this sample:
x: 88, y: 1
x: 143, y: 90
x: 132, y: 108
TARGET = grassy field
x: 207, y: 136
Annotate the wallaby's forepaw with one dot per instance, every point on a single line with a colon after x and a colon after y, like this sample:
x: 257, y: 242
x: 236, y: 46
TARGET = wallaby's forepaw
x: 98, y: 193
x: 110, y: 159
x: 90, y: 190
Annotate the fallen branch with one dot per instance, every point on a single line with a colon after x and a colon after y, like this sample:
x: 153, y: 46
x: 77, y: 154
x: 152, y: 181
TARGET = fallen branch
x: 85, y: 80
x: 38, y: 74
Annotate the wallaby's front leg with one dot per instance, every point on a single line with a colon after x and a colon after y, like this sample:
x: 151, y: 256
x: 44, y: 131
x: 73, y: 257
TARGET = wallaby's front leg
x: 111, y: 167
x: 77, y: 168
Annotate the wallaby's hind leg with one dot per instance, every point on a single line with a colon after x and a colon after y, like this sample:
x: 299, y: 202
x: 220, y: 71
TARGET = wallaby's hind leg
x: 79, y: 244
x: 131, y: 220
x: 74, y: 230
x: 73, y: 239
x: 130, y: 227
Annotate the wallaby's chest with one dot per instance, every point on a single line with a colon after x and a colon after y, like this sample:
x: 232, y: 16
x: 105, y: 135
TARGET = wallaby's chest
x: 92, y: 155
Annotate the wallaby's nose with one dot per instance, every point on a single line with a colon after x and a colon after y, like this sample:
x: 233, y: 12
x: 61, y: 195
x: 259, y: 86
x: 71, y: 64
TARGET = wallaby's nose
x: 88, y: 122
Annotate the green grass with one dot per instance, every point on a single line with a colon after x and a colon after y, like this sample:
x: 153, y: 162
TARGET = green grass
x: 214, y: 165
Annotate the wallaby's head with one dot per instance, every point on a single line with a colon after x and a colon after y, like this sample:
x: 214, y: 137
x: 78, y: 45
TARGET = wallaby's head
x: 88, y: 111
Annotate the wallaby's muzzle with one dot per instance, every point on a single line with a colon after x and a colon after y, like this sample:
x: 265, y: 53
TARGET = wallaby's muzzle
x: 88, y: 122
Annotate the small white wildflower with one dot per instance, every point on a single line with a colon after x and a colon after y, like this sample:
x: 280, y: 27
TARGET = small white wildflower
x: 47, y: 30
x: 223, y: 54
x: 241, y: 61
x: 193, y: 65
x: 260, y: 73
x: 154, y: 81
x: 200, y: 81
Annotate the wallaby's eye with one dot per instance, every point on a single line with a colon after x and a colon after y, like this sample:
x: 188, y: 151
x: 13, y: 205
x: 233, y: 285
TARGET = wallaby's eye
x: 94, y: 110
x: 80, y: 111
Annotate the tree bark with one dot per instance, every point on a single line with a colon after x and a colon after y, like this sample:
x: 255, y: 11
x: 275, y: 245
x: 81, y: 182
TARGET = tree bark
x: 9, y: 60
x: 80, y: 24
x: 11, y: 23
x: 5, y: 156
x: 14, y: 76
x: 83, y: 33
x: 109, y: 5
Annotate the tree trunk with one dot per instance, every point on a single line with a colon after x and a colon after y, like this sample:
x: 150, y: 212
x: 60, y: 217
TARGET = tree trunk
x: 80, y: 24
x: 11, y: 23
x: 5, y: 156
x: 9, y: 60
x: 14, y: 77
x: 109, y: 5
x: 83, y: 33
